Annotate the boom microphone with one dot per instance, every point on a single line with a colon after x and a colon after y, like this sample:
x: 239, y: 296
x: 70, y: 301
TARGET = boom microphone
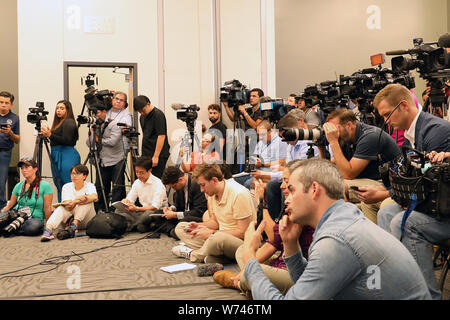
x: 397, y: 52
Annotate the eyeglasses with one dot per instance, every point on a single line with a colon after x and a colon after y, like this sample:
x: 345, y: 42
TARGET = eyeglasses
x: 26, y: 159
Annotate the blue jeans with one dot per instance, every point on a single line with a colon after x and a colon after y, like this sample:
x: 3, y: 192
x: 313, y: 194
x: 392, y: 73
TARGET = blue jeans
x: 420, y: 231
x: 31, y: 228
x: 5, y: 158
x: 246, y: 181
x: 386, y: 214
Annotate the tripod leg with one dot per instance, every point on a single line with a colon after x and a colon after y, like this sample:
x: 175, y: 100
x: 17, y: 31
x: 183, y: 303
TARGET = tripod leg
x: 100, y: 178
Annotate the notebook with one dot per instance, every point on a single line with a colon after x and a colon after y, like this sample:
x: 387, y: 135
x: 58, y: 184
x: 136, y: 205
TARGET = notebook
x: 178, y: 267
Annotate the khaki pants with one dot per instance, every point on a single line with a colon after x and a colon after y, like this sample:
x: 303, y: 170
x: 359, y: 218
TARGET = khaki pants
x: 219, y: 247
x: 83, y: 213
x: 279, y: 277
x: 369, y: 210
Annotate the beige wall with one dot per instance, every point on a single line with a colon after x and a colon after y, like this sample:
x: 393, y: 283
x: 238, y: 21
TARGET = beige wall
x: 317, y: 40
x: 9, y: 62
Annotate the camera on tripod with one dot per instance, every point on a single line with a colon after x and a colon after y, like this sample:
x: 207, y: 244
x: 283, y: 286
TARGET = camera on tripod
x: 98, y: 99
x: 188, y: 113
x: 235, y: 94
x: 37, y: 114
x: 432, y: 63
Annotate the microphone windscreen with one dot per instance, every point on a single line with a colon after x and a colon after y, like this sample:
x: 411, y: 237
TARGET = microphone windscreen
x: 177, y: 106
x: 208, y: 269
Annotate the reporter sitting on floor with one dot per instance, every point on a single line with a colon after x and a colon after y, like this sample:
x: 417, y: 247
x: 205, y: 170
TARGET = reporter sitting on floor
x: 78, y: 199
x: 273, y: 265
x: 150, y: 191
x: 230, y: 210
x: 189, y: 201
x: 34, y: 193
x: 349, y: 258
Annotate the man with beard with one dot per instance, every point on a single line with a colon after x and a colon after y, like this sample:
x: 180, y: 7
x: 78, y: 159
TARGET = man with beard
x: 356, y: 147
x: 218, y: 129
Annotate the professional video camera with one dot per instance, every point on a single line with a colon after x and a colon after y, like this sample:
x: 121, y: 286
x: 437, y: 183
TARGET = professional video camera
x: 13, y: 220
x: 90, y: 120
x: 128, y: 131
x: 413, y: 177
x: 98, y: 99
x: 187, y: 113
x: 37, y: 114
x: 235, y: 93
x: 274, y: 109
x: 432, y: 63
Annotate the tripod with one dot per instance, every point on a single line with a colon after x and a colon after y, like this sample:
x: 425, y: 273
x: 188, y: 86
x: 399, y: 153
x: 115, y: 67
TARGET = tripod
x: 189, y: 140
x: 133, y: 149
x: 37, y: 155
x: 93, y: 158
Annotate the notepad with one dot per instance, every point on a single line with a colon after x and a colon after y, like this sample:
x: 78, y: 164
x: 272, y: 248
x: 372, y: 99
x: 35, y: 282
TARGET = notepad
x: 178, y: 267
x: 56, y: 205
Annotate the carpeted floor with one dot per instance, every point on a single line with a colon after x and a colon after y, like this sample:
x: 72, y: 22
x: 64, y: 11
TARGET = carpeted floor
x: 129, y: 269
x: 125, y: 269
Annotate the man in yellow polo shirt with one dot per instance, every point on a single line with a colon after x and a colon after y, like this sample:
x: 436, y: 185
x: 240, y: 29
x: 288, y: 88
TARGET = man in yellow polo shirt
x: 230, y: 210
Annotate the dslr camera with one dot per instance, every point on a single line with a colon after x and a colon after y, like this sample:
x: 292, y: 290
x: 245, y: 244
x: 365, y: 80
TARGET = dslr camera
x: 90, y: 120
x: 12, y: 220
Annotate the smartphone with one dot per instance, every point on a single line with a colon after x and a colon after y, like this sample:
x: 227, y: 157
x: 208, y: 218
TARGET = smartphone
x: 354, y: 188
x: 4, y: 126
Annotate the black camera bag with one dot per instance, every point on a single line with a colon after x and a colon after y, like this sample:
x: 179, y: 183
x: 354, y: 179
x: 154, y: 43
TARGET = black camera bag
x: 432, y: 187
x: 107, y: 225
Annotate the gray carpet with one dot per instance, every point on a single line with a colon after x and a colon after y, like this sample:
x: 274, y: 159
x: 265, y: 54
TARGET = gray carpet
x: 120, y: 272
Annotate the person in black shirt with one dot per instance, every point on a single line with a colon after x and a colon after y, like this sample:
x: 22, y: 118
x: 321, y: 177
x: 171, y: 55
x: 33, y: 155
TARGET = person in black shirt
x: 154, y: 134
x: 63, y: 137
x: 218, y: 129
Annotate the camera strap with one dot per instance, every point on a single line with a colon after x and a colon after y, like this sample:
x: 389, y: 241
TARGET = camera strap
x: 412, y: 205
x: 22, y: 194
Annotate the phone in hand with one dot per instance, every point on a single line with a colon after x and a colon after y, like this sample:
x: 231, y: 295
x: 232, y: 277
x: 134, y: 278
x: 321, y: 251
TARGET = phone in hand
x: 4, y: 126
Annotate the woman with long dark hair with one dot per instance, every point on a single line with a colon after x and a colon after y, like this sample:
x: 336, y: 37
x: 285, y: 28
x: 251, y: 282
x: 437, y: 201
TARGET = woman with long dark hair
x: 63, y: 137
x: 34, y: 194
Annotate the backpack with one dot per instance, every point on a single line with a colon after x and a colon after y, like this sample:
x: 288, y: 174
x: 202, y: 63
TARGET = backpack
x: 106, y: 225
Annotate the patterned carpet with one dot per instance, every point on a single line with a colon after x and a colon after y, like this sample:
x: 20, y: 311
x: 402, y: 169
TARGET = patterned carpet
x: 130, y: 269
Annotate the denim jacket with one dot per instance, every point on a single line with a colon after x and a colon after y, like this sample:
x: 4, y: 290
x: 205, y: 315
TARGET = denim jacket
x: 350, y: 258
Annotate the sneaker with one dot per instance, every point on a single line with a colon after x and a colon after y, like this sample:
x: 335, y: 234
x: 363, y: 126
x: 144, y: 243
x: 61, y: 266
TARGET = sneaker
x: 47, y: 235
x: 182, y: 251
